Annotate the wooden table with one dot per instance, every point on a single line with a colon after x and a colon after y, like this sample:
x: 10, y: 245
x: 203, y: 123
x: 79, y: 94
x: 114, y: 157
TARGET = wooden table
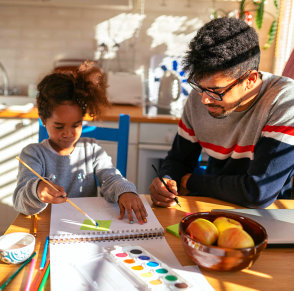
x: 274, y: 269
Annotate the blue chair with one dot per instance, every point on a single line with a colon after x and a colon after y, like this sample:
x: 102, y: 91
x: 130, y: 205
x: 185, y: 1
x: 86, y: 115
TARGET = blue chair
x: 201, y: 166
x: 119, y: 135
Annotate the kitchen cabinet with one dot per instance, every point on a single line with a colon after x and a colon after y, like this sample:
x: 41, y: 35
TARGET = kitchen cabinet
x: 157, y: 133
x: 155, y: 139
x: 15, y: 134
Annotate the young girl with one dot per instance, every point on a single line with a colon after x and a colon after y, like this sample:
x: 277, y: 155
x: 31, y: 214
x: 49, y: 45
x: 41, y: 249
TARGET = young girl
x: 69, y: 161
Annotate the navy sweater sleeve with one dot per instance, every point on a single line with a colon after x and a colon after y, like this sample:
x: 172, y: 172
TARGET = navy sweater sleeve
x: 267, y: 176
x: 181, y: 159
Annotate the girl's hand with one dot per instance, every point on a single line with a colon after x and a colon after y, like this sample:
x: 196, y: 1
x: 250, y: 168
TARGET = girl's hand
x: 131, y: 202
x: 48, y: 195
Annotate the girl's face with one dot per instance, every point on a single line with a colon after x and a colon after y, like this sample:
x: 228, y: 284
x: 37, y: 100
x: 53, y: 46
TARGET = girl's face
x: 64, y: 127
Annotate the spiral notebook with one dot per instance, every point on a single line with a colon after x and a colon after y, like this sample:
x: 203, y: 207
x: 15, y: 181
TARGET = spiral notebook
x: 77, y: 249
x: 69, y: 225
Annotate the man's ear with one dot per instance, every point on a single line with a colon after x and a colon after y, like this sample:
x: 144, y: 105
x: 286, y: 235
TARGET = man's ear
x: 251, y: 79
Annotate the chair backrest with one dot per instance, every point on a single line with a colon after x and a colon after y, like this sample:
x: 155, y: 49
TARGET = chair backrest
x: 119, y: 135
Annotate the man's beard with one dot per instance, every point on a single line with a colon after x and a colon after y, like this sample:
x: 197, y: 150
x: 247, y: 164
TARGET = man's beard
x: 224, y: 113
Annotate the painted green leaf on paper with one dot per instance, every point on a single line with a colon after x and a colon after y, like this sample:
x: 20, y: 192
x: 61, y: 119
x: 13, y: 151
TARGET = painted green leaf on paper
x: 103, y: 225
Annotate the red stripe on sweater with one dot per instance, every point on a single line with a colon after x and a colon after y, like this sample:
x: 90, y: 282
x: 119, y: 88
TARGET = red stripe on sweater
x: 186, y: 129
x: 283, y: 129
x: 219, y: 149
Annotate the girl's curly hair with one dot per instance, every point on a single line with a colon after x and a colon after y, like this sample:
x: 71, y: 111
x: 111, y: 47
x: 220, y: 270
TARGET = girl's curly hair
x: 86, y: 87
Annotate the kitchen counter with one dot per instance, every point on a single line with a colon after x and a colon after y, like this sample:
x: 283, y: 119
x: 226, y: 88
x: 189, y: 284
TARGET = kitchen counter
x: 111, y: 114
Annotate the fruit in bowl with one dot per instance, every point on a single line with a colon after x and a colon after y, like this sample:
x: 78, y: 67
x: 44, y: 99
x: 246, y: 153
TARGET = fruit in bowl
x: 203, y: 230
x: 235, y: 238
x: 223, y: 222
x: 231, y: 257
x: 223, y: 232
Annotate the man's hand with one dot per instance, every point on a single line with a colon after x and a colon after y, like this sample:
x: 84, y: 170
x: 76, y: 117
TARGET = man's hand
x: 183, y: 187
x: 160, y: 195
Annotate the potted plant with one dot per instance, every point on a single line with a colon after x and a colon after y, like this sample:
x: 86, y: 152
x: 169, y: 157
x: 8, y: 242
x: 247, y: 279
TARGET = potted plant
x: 259, y: 9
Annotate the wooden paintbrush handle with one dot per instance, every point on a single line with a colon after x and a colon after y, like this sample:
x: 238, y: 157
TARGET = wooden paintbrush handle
x: 44, y: 180
x: 76, y: 206
x: 47, y: 182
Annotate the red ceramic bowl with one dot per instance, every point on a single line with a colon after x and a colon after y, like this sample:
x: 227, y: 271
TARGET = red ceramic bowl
x: 218, y: 258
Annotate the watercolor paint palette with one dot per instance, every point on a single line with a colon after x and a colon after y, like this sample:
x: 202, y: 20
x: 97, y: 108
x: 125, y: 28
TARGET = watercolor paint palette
x: 148, y: 270
x: 102, y: 273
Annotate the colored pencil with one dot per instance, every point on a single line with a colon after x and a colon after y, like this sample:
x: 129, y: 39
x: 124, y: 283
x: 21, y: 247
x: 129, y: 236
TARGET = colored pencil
x: 67, y: 200
x: 16, y: 272
x: 30, y: 276
x: 44, y: 256
x: 42, y: 285
x: 35, y: 286
x: 161, y: 179
x: 35, y: 224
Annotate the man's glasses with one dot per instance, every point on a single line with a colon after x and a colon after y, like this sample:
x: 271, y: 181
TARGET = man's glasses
x: 215, y: 95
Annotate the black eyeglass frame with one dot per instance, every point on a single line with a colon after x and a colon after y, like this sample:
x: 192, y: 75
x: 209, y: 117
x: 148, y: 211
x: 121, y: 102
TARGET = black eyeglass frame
x: 199, y: 89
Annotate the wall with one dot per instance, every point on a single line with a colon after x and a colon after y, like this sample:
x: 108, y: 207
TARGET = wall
x: 32, y: 37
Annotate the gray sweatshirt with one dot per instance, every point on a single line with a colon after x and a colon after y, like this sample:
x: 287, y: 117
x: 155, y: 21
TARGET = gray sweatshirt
x: 76, y: 173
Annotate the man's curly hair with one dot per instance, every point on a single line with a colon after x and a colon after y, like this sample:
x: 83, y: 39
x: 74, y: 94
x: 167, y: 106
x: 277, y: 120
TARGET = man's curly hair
x: 227, y: 45
x: 85, y: 87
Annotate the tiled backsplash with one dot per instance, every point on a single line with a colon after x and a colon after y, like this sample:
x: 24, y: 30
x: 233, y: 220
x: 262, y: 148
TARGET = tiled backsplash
x: 32, y: 36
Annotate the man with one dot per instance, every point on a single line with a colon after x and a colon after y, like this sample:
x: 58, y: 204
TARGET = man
x: 241, y: 117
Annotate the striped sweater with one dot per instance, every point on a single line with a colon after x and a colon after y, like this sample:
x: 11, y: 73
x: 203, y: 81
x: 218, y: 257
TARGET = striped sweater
x: 251, y: 153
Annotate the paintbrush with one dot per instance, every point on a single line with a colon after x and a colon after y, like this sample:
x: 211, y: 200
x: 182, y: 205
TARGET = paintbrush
x: 52, y: 186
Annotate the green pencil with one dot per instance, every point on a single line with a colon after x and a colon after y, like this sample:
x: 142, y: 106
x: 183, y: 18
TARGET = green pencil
x: 17, y: 271
x: 44, y: 280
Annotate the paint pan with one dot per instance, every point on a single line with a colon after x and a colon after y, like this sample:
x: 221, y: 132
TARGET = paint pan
x: 145, y: 268
x: 103, y: 273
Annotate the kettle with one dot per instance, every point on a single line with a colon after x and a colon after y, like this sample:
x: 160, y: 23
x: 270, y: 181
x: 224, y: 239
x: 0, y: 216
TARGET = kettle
x: 169, y: 89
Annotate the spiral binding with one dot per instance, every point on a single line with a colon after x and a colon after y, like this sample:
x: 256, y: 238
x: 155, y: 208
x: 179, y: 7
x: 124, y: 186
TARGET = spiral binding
x: 108, y: 236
